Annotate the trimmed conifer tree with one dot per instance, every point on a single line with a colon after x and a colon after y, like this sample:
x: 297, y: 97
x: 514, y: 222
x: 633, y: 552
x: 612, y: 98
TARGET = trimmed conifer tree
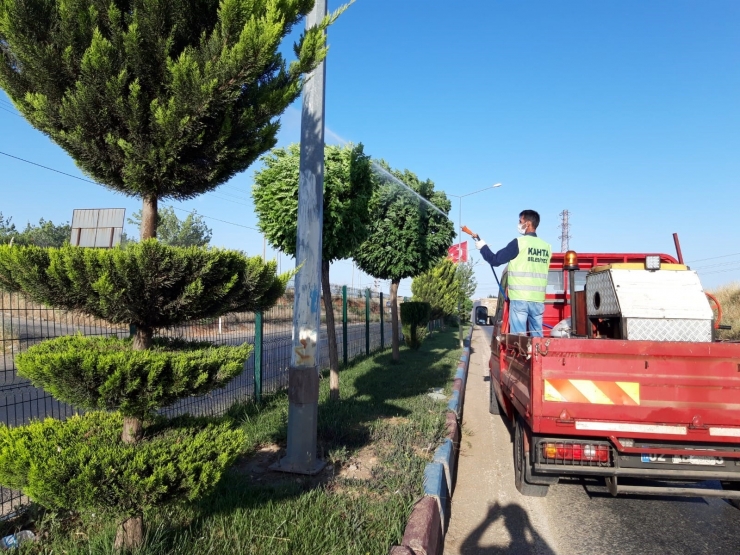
x: 348, y: 188
x: 440, y: 287
x: 154, y: 100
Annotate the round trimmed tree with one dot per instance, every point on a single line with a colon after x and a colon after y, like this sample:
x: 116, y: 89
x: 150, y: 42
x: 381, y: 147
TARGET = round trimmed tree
x: 348, y: 188
x: 408, y: 235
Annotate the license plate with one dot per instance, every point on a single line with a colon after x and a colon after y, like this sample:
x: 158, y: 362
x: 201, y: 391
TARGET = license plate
x: 683, y: 459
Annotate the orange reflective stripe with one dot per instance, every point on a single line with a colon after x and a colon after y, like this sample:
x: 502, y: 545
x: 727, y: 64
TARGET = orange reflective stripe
x: 568, y: 392
x: 593, y: 392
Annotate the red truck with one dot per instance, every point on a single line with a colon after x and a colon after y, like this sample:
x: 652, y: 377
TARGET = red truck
x: 636, y: 387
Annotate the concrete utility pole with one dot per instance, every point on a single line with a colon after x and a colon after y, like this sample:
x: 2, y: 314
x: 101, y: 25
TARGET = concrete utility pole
x: 564, y: 231
x: 303, y: 380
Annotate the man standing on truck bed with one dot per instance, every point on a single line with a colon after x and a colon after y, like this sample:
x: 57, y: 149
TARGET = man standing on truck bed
x: 529, y: 261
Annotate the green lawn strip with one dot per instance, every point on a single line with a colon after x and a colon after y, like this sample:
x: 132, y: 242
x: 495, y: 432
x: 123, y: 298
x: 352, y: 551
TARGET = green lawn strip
x: 384, y: 415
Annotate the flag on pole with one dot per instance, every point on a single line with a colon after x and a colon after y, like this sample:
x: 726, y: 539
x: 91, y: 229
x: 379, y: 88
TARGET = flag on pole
x: 458, y: 253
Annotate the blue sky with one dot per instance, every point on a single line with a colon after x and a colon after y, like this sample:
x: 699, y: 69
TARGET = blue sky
x: 625, y: 113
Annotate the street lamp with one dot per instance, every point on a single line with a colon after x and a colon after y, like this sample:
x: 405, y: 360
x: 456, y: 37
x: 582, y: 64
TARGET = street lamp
x: 460, y: 197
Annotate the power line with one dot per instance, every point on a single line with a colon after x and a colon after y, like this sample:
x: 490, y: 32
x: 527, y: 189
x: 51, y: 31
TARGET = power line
x: 244, y: 191
x: 230, y: 195
x: 717, y: 265
x: 230, y: 200
x: 47, y: 168
x: 10, y: 112
x: 94, y: 183
x: 715, y: 257
x: 737, y: 269
x: 212, y: 218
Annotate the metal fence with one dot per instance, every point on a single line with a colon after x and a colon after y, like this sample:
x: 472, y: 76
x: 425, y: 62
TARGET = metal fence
x: 362, y: 323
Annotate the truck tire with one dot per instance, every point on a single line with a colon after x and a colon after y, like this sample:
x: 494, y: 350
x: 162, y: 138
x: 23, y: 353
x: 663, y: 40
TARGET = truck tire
x: 732, y: 486
x: 521, y: 461
x: 493, y: 407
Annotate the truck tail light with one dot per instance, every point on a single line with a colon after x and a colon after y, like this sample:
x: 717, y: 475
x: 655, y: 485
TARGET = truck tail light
x: 581, y: 452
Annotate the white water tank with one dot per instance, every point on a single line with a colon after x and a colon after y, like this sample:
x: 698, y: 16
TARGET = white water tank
x: 660, y: 305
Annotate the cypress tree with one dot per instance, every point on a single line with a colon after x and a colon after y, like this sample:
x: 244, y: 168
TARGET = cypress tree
x: 156, y: 98
x: 440, y: 287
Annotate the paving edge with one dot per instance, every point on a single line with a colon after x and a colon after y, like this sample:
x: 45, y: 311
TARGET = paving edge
x: 425, y: 530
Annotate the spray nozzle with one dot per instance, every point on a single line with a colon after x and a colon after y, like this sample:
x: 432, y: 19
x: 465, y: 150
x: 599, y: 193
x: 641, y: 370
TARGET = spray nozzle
x: 467, y: 230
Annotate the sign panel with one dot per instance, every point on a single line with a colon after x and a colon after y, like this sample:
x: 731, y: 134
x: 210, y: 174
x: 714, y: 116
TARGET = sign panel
x: 97, y: 227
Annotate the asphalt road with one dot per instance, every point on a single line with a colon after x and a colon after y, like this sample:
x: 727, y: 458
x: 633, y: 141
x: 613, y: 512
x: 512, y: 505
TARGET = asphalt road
x: 490, y: 517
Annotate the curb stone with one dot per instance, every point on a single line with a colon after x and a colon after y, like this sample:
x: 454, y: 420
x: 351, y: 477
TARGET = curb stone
x: 453, y: 429
x: 427, y: 524
x: 445, y: 455
x: 423, y: 534
x: 435, y: 486
x: 454, y: 404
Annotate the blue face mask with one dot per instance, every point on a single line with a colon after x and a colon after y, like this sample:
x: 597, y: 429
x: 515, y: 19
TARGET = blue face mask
x: 522, y: 228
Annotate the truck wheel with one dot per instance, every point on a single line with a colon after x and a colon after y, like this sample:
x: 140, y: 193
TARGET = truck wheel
x: 732, y: 486
x: 492, y: 400
x: 521, y: 460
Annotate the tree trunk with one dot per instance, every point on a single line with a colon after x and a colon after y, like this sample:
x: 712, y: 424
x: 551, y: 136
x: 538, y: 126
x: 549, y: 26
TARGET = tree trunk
x: 394, y: 318
x: 133, y: 429
x: 331, y: 332
x: 149, y: 218
x: 130, y: 534
x: 142, y: 339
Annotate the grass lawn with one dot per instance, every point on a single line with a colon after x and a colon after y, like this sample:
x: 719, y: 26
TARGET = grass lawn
x: 376, y: 440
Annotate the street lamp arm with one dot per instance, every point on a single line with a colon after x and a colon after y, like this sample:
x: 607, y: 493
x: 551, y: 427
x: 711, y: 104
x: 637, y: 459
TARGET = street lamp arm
x: 496, y: 185
x: 476, y: 192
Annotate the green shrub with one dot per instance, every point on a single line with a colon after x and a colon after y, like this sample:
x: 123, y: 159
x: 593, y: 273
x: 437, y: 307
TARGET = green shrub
x: 414, y: 338
x: 414, y: 320
x: 82, y: 464
x: 106, y: 373
x: 415, y: 313
x: 148, y: 284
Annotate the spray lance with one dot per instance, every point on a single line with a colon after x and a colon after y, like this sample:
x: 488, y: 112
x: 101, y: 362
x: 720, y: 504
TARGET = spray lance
x: 475, y: 236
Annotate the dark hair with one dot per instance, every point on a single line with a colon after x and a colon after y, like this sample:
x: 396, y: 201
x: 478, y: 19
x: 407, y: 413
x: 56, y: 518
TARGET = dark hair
x: 530, y: 216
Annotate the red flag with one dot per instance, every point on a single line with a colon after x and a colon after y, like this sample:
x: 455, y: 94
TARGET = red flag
x: 458, y: 253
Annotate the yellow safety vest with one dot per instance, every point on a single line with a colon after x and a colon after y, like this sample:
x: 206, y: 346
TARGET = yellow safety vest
x: 527, y: 273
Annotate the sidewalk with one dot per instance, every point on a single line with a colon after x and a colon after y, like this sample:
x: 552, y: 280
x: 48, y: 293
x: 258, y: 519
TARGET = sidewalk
x: 488, y: 515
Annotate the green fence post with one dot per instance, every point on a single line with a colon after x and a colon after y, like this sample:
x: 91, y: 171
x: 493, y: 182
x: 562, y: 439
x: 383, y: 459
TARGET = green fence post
x: 344, y: 324
x: 367, y: 321
x: 258, y: 354
x: 382, y: 309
